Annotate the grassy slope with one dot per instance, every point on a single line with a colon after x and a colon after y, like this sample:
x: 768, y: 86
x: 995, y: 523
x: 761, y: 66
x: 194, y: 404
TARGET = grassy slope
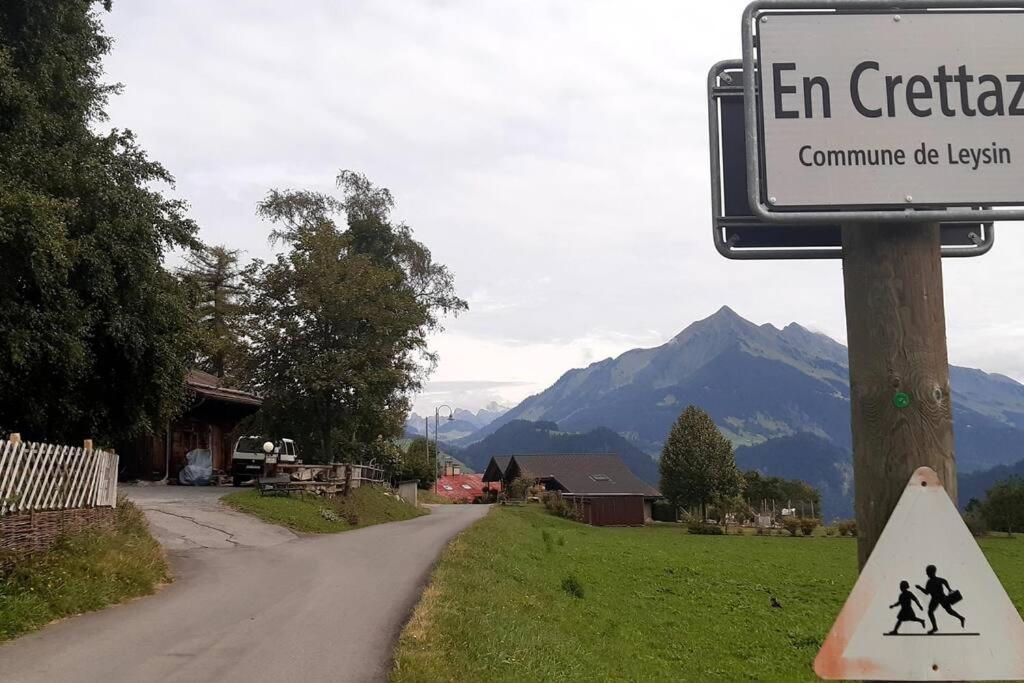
x: 82, y: 573
x: 658, y: 604
x: 432, y: 496
x: 368, y: 504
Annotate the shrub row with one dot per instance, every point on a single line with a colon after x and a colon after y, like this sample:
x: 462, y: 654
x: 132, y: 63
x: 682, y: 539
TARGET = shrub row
x: 805, y: 525
x: 700, y: 527
x: 557, y: 505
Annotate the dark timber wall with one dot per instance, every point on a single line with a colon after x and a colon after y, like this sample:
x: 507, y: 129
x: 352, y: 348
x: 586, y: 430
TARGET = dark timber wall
x: 611, y: 510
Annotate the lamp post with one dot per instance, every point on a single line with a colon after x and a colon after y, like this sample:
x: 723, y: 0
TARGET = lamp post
x: 437, y: 450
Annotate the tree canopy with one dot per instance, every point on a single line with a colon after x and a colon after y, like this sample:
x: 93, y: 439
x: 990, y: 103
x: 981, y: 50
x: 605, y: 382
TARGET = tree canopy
x: 94, y: 332
x: 759, y: 488
x: 337, y: 325
x: 1003, y: 508
x: 697, y: 464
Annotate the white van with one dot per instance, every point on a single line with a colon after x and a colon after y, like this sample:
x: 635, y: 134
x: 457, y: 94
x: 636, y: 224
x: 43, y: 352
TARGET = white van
x: 249, y: 459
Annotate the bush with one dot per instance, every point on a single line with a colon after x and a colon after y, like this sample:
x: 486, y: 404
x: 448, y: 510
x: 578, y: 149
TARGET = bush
x: 830, y: 531
x: 664, y: 511
x: 847, y: 527
x: 518, y: 489
x: 558, y: 505
x: 703, y: 528
x: 791, y: 524
x: 572, y: 586
x: 808, y: 525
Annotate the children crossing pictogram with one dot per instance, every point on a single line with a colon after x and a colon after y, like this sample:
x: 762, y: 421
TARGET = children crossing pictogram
x: 944, y: 584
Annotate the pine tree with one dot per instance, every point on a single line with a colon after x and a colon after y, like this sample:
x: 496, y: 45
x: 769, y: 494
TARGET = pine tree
x: 697, y: 464
x: 216, y: 278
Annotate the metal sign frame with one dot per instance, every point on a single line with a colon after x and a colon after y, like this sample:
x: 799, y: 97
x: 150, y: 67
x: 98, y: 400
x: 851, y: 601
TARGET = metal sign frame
x: 787, y: 241
x: 762, y: 208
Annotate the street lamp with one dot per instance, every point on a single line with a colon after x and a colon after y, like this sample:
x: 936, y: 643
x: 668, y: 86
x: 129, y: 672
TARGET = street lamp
x: 437, y: 450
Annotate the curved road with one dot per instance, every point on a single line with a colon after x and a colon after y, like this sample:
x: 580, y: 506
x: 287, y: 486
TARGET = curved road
x: 251, y: 602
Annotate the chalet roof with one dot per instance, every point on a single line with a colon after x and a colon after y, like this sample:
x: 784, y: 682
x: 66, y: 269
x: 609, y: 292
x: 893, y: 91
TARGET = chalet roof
x: 209, y: 386
x: 585, y: 473
x: 495, y: 470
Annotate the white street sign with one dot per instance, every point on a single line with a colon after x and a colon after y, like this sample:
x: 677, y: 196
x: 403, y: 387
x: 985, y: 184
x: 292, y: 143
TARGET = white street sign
x: 889, y: 110
x: 927, y: 606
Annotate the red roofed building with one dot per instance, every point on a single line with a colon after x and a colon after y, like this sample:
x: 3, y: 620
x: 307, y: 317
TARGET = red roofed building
x: 455, y: 485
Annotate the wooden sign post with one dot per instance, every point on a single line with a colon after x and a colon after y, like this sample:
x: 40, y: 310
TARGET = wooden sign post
x: 901, y: 413
x: 887, y: 118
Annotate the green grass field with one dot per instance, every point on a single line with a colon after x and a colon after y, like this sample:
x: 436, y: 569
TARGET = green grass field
x: 655, y: 603
x: 82, y: 573
x: 367, y: 505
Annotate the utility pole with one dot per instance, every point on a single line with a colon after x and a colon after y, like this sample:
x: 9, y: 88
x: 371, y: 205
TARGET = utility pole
x: 901, y: 412
x: 437, y: 448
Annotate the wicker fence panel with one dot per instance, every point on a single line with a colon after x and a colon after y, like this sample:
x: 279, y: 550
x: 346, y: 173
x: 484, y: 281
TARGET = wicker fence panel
x: 32, y: 532
x: 37, y: 477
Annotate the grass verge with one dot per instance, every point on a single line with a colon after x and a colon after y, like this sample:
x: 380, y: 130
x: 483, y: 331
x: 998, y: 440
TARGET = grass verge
x: 526, y: 595
x: 365, y: 506
x: 81, y: 573
x: 433, y: 497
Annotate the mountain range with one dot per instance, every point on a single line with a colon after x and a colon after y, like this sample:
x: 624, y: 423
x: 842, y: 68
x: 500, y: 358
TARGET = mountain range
x: 463, y: 423
x: 758, y: 383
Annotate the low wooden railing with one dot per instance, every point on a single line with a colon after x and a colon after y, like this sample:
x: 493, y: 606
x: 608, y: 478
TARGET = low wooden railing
x: 39, y: 476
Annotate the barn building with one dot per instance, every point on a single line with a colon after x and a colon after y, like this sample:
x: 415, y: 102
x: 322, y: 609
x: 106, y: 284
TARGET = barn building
x: 210, y: 420
x: 606, y: 491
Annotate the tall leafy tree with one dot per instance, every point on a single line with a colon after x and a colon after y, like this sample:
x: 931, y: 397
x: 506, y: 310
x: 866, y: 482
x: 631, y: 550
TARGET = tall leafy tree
x: 93, y: 330
x: 419, y: 462
x: 216, y: 278
x: 1003, y: 508
x: 338, y: 323
x: 697, y: 464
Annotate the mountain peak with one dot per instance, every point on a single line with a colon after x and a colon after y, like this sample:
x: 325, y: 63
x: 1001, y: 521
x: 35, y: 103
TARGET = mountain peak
x: 724, y: 321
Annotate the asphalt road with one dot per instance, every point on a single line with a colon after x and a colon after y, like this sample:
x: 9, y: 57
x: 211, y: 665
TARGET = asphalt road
x: 251, y: 607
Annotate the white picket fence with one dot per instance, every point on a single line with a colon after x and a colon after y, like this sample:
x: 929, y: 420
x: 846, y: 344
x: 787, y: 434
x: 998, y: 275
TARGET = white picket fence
x: 39, y: 476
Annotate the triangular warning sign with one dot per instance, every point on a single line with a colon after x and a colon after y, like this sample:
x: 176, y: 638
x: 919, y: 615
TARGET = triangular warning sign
x: 926, y: 565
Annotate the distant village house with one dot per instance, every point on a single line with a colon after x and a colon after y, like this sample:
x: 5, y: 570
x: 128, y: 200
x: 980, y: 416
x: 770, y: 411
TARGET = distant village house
x: 606, y: 491
x: 462, y: 487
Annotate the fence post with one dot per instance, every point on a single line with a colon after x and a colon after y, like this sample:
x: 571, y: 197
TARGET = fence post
x: 14, y: 438
x: 87, y: 444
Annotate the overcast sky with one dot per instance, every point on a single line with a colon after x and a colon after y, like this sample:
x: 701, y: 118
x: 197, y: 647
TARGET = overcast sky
x: 553, y: 154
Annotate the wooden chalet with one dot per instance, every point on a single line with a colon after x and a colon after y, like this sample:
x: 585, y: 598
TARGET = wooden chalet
x: 606, y: 491
x: 210, y: 421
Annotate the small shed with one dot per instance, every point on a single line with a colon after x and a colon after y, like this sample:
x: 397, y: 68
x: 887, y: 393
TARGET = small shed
x: 600, y: 484
x: 210, y: 420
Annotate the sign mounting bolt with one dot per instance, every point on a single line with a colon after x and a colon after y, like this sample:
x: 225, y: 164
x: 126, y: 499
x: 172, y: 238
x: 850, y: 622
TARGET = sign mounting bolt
x: 772, y: 200
x: 764, y: 19
x: 896, y: 17
x: 909, y: 198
